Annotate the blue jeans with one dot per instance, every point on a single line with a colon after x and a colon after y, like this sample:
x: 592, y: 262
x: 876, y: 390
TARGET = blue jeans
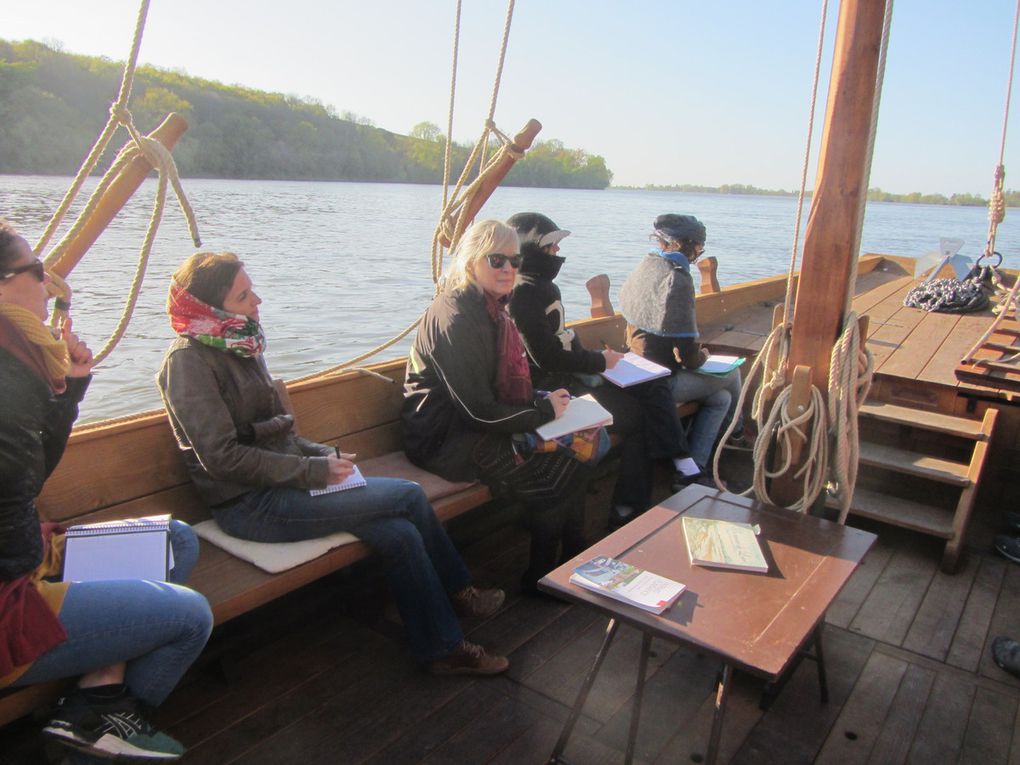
x: 718, y: 396
x: 394, y: 518
x: 158, y: 628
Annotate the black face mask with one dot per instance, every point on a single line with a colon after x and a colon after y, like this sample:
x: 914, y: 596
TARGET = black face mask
x: 542, y: 265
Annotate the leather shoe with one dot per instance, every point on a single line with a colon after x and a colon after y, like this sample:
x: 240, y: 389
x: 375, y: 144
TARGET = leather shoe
x: 472, y: 601
x: 469, y: 659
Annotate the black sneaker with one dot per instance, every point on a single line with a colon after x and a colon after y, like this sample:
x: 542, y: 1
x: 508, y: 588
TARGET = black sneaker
x: 115, y: 730
x: 1006, y: 653
x: 1008, y: 547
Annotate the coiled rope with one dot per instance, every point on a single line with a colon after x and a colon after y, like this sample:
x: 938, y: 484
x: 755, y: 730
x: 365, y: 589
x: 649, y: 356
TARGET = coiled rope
x: 851, y: 366
x: 157, y: 155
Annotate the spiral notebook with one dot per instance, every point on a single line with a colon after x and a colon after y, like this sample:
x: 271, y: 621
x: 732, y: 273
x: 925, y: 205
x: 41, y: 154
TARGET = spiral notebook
x: 353, y: 481
x: 133, y: 548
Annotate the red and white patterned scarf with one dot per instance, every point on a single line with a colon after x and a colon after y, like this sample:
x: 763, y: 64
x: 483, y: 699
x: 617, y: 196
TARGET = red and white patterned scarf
x: 190, y: 317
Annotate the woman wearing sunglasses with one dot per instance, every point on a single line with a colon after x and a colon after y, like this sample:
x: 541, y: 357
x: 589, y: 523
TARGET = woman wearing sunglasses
x: 255, y: 472
x: 468, y: 396
x: 130, y: 641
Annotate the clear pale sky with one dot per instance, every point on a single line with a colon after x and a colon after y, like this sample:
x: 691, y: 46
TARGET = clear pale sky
x: 668, y: 91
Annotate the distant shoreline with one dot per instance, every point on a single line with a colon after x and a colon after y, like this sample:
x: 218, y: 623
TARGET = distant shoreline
x: 874, y: 195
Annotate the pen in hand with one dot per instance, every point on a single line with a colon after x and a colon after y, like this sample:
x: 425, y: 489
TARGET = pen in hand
x: 343, y: 455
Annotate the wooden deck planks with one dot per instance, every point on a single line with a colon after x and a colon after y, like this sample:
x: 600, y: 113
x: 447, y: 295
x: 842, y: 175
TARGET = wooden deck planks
x: 968, y: 645
x: 889, y: 609
x: 918, y: 347
x: 1005, y: 621
x: 939, y: 737
x: 939, y: 616
x: 991, y: 713
x: 859, y: 725
x: 893, y: 743
x: 798, y: 709
x: 852, y: 597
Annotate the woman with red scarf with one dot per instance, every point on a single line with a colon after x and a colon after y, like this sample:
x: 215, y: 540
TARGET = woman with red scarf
x: 130, y: 641
x: 469, y: 404
x: 255, y: 472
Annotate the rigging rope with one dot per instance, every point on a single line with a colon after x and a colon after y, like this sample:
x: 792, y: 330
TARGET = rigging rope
x: 157, y: 155
x: 451, y: 223
x: 997, y: 209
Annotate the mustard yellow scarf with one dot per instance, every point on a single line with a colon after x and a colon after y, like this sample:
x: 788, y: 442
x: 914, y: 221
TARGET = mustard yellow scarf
x: 54, y: 351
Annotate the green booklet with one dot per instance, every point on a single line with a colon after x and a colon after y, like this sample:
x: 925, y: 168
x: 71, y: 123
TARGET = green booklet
x: 726, y: 544
x: 720, y: 365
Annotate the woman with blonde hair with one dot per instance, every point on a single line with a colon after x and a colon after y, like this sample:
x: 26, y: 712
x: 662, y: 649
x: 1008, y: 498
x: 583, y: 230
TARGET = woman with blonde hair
x: 255, y: 472
x: 469, y: 403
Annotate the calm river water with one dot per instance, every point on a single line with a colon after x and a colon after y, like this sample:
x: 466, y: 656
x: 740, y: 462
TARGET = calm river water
x: 344, y: 266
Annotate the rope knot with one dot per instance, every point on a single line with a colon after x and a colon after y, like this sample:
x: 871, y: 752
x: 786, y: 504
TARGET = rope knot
x: 120, y: 113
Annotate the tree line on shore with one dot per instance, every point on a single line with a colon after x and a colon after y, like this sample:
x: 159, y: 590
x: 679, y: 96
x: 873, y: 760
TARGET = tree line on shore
x: 874, y: 195
x: 53, y: 105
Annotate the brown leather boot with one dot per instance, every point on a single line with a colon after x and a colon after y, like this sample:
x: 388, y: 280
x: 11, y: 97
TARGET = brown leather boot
x: 469, y: 659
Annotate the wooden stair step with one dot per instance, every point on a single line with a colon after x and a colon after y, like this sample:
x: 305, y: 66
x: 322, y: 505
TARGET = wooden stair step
x: 896, y: 511
x: 918, y: 418
x: 913, y: 463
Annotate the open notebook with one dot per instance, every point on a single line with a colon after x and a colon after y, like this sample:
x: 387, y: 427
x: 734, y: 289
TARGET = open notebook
x: 633, y: 369
x: 134, y: 548
x: 353, y: 481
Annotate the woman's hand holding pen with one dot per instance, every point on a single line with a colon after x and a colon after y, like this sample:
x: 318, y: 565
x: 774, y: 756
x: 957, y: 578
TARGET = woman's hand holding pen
x: 612, y: 357
x: 559, y: 400
x: 340, y: 466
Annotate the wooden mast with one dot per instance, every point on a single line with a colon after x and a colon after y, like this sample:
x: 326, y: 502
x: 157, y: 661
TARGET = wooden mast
x: 831, y: 238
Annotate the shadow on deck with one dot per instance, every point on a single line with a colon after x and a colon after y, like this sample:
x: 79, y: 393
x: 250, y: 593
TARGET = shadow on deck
x: 322, y: 677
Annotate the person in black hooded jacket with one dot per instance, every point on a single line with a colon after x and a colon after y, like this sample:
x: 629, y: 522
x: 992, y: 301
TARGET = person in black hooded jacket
x: 644, y: 415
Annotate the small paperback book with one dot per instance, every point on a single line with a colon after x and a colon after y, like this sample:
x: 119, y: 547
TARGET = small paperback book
x: 725, y: 544
x: 353, y: 481
x: 633, y: 369
x: 628, y: 583
x: 582, y: 413
x: 720, y: 365
x: 134, y: 548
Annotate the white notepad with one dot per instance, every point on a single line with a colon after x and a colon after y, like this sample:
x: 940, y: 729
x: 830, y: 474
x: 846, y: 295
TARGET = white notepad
x: 633, y: 369
x: 582, y: 413
x: 353, y: 481
x: 135, y: 548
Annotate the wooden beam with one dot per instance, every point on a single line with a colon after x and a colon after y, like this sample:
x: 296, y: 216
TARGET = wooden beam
x: 830, y: 242
x: 521, y: 143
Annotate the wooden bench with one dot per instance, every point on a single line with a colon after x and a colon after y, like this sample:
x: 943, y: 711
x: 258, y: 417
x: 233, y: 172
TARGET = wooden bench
x: 133, y: 467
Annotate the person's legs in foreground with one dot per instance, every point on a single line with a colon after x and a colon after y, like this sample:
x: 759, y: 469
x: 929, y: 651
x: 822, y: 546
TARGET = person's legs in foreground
x: 423, y: 568
x: 717, y: 397
x: 131, y: 640
x: 632, y: 493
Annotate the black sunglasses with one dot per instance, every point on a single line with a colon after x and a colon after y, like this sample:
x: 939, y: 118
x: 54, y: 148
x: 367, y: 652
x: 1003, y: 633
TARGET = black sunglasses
x: 496, y: 260
x: 36, y: 267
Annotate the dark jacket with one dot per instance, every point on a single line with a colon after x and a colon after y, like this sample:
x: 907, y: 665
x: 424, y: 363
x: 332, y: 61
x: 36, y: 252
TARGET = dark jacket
x: 555, y: 352
x: 34, y: 427
x: 231, y: 426
x: 450, y: 388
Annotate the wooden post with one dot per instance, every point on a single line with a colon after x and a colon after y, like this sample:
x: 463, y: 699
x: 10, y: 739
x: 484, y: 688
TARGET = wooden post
x: 709, y: 267
x: 522, y: 142
x: 117, y: 195
x: 830, y: 242
x: 601, y: 304
x: 831, y: 237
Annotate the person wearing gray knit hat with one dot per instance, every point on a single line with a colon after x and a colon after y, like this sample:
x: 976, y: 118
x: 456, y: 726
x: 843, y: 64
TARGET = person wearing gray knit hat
x: 658, y: 302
